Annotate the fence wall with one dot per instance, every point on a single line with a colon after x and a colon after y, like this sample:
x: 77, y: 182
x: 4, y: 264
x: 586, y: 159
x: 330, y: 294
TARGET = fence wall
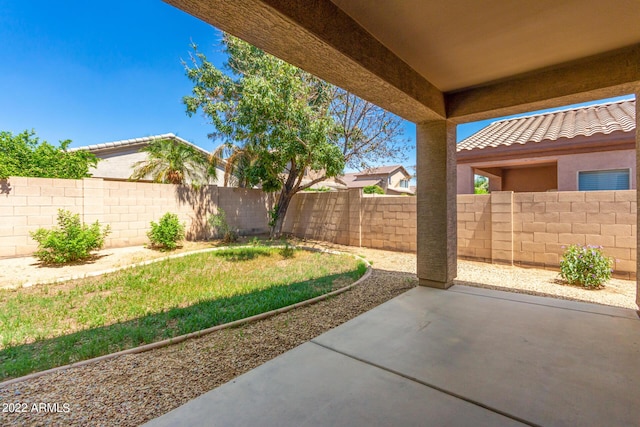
x: 128, y: 207
x: 350, y: 218
x: 545, y: 222
x: 504, y: 227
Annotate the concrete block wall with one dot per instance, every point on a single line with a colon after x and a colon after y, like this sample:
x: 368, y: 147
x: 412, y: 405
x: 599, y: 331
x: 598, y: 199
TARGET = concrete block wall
x: 545, y: 223
x: 474, y: 227
x: 503, y: 227
x: 246, y: 209
x: 388, y: 222
x: 351, y: 218
x: 27, y: 204
x: 320, y: 216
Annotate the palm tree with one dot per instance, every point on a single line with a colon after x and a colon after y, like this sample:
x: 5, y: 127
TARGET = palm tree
x: 169, y: 161
x: 237, y: 163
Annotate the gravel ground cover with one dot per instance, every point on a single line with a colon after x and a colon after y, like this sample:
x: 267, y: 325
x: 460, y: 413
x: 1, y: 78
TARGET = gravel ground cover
x: 132, y: 389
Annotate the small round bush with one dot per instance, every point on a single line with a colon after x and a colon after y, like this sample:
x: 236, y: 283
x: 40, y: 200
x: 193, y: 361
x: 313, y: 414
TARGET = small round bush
x: 71, y: 241
x: 586, y: 266
x: 372, y: 189
x: 167, y: 232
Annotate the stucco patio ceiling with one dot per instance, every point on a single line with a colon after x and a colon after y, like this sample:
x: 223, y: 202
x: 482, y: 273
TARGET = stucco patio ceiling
x: 459, y: 59
x: 461, y: 43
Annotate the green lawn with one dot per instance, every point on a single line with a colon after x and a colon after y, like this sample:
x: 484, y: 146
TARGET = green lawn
x: 48, y: 326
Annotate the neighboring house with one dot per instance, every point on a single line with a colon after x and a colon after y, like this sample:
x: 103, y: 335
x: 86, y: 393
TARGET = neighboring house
x: 393, y: 179
x: 330, y: 183
x: 117, y: 159
x: 579, y: 149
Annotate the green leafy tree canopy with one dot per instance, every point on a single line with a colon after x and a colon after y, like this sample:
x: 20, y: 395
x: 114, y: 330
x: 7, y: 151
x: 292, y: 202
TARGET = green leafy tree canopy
x: 274, y: 113
x: 372, y: 189
x: 481, y: 184
x: 284, y: 129
x: 24, y: 155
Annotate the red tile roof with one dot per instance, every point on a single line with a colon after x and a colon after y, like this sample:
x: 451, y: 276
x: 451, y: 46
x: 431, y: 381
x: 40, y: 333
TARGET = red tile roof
x: 586, y: 121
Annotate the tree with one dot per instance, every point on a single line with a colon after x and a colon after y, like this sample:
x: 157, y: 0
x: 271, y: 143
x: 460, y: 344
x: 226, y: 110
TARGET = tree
x: 238, y: 162
x: 24, y: 155
x: 481, y: 184
x: 372, y: 189
x: 169, y: 161
x: 279, y: 122
x: 366, y: 134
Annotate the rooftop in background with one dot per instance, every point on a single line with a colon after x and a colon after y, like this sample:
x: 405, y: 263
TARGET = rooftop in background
x: 134, y: 142
x: 118, y: 159
x: 381, y: 170
x: 582, y: 121
x: 394, y: 179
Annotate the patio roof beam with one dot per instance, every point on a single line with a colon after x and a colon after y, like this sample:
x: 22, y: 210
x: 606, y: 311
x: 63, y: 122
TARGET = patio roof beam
x: 323, y: 40
x: 611, y: 74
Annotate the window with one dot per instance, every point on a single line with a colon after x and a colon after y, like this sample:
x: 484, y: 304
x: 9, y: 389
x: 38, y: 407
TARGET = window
x: 617, y: 179
x: 404, y: 183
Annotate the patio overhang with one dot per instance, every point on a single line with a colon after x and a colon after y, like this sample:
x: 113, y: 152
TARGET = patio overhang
x: 382, y: 52
x: 438, y: 64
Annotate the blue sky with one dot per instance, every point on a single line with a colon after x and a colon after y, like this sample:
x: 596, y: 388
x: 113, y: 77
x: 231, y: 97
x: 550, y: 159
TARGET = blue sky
x: 98, y: 72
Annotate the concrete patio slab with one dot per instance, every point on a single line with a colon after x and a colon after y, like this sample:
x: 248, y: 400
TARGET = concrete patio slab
x: 462, y: 356
x: 311, y: 386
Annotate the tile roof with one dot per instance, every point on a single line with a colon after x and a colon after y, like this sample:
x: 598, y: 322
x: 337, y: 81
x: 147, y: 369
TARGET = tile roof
x: 367, y: 173
x: 381, y: 170
x: 585, y: 121
x: 135, y: 141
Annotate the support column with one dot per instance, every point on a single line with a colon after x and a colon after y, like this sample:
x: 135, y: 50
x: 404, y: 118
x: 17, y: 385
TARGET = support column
x: 637, y: 195
x: 355, y: 217
x: 436, y: 199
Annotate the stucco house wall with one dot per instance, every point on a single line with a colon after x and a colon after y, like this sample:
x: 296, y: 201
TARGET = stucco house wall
x: 569, y: 166
x: 117, y: 163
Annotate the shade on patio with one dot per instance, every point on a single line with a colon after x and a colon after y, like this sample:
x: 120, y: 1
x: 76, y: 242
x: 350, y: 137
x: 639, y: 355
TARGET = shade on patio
x: 458, y: 357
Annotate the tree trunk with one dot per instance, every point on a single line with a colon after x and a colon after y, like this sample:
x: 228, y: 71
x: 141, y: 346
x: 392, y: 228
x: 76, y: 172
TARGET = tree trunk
x: 283, y: 204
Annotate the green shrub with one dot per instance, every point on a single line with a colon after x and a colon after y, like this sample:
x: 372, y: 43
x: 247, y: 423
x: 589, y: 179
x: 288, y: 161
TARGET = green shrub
x: 586, y: 266
x: 70, y: 241
x: 287, y: 251
x: 167, y: 232
x: 372, y: 189
x: 221, y: 227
